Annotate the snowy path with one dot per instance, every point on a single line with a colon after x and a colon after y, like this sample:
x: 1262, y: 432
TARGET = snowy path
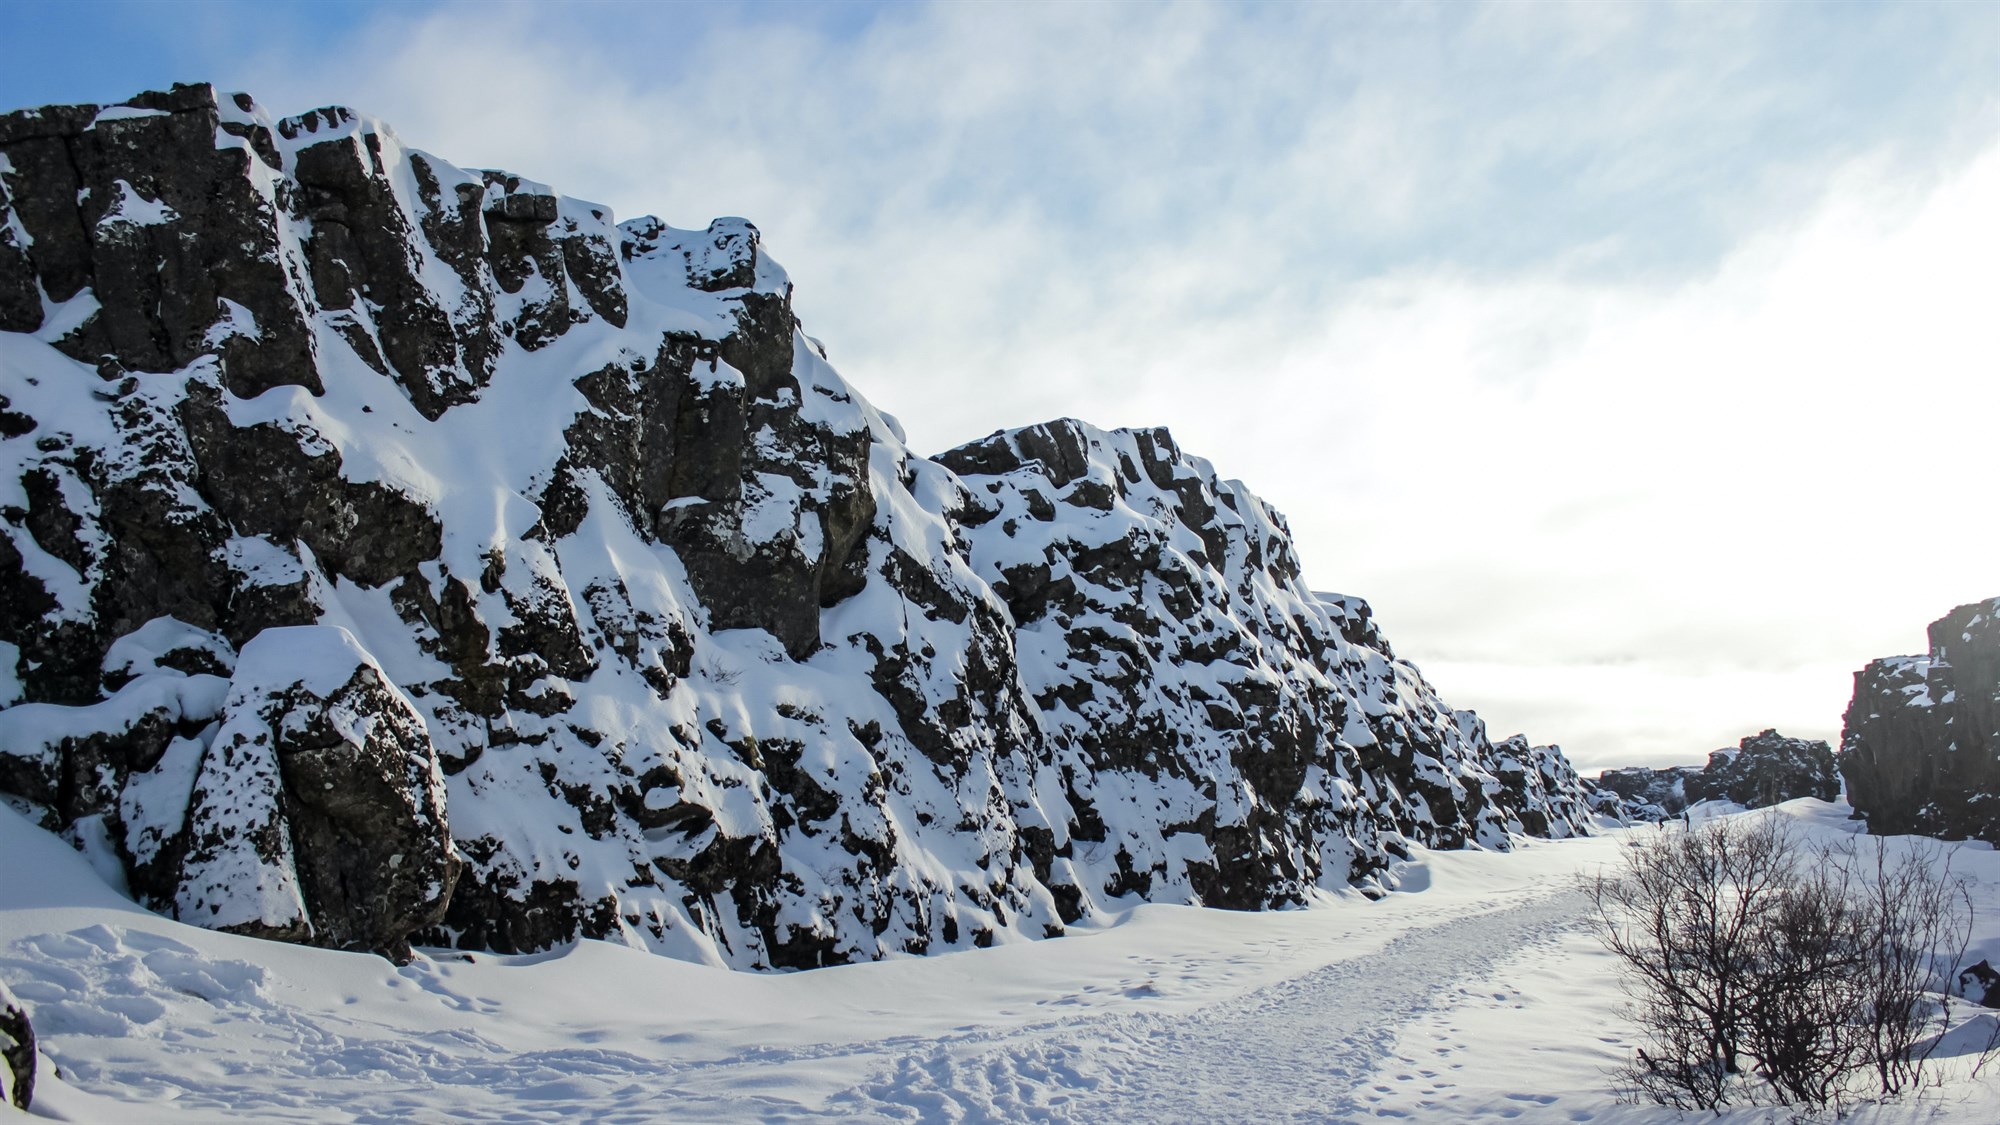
x: 1306, y: 1049
x: 1477, y: 999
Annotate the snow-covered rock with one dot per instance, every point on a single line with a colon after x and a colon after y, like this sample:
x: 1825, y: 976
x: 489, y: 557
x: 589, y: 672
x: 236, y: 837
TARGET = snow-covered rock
x: 1767, y: 769
x: 1762, y: 769
x: 1980, y: 983
x: 370, y: 521
x: 17, y: 1052
x: 1920, y: 746
x: 318, y: 810
x: 1220, y: 735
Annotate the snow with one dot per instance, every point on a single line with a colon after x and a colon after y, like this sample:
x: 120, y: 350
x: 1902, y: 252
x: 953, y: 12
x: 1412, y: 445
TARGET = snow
x: 241, y: 873
x: 139, y: 651
x: 322, y: 658
x: 126, y: 113
x: 133, y: 209
x: 1479, y: 998
x: 264, y: 563
x: 35, y: 732
x: 59, y: 320
x: 236, y: 321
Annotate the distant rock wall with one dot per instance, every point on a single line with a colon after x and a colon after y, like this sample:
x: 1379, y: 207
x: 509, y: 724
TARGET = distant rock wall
x: 1764, y: 769
x: 391, y: 551
x: 1920, y: 747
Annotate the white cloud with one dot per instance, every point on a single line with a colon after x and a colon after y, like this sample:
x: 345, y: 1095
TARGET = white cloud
x: 1765, y: 477
x: 1634, y: 359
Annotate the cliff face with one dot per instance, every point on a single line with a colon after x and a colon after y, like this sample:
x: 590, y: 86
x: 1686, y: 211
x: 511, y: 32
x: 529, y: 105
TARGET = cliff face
x: 1920, y: 746
x: 396, y: 551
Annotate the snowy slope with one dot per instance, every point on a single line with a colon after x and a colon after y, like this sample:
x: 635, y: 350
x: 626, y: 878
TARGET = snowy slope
x: 1479, y: 999
x: 644, y: 624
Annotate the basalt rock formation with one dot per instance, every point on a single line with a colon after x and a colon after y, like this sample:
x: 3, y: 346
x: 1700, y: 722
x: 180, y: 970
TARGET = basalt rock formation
x: 398, y: 552
x: 1920, y: 747
x: 1763, y: 769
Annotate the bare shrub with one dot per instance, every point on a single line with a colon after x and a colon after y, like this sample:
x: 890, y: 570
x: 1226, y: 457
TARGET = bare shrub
x: 1685, y: 915
x: 1763, y: 968
x: 1921, y: 920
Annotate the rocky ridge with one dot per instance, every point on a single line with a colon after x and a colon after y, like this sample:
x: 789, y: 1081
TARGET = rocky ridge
x: 394, y: 551
x: 1763, y: 769
x: 1920, y: 743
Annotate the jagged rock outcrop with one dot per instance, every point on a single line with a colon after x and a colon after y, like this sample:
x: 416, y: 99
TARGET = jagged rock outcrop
x: 392, y: 551
x: 321, y: 790
x: 17, y: 1052
x: 1980, y: 983
x: 1171, y: 648
x: 297, y: 795
x: 1920, y: 744
x: 1764, y: 769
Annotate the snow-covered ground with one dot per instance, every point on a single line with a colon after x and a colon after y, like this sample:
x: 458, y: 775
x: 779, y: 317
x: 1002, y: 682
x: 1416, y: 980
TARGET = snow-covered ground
x: 1477, y: 995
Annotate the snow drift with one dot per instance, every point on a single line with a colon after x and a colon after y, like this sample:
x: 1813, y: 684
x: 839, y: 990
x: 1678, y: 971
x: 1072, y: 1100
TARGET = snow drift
x: 394, y: 551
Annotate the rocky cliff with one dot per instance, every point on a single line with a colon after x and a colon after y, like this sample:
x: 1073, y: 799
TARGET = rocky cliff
x: 1762, y: 769
x: 394, y: 551
x: 1920, y: 746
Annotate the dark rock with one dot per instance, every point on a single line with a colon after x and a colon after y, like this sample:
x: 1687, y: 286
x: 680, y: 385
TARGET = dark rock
x: 522, y: 249
x: 287, y: 486
x: 139, y: 204
x: 1980, y: 984
x: 1764, y: 769
x: 76, y: 760
x: 17, y: 1051
x: 20, y: 296
x: 767, y: 546
x: 726, y: 258
x: 1920, y: 746
x: 1767, y: 769
x: 367, y: 817
x: 323, y: 781
x: 1646, y: 794
x: 1241, y: 697
x: 497, y: 906
x: 591, y: 261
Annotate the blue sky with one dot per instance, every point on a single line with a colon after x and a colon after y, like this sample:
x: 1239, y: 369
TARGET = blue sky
x: 1668, y: 128
x: 1592, y: 342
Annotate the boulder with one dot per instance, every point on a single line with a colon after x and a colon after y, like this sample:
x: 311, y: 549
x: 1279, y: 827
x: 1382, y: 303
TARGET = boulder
x: 318, y: 813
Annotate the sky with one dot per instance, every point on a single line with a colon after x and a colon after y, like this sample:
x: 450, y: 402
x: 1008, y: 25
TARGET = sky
x: 1640, y: 363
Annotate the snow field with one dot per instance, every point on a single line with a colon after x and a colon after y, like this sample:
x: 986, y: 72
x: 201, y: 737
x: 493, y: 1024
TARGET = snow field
x: 1479, y: 998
